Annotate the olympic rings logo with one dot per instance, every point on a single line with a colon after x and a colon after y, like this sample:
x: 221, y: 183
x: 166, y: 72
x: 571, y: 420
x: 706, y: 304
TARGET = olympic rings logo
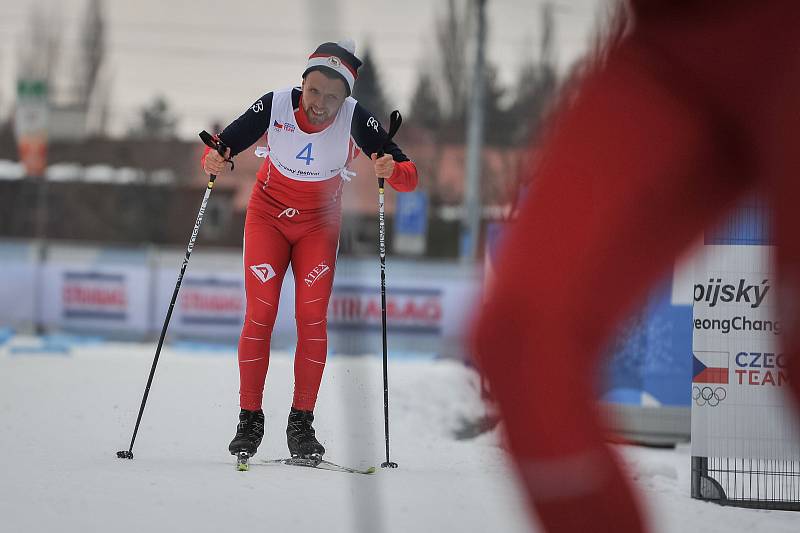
x: 707, y: 395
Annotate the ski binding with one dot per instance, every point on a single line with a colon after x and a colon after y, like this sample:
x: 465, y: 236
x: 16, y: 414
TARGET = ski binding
x: 242, y: 461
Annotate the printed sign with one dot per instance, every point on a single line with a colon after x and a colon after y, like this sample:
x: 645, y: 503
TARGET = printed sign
x: 94, y: 295
x: 208, y: 305
x: 30, y: 125
x: 97, y: 298
x: 739, y: 375
x: 408, y: 310
x: 411, y: 223
x: 211, y: 301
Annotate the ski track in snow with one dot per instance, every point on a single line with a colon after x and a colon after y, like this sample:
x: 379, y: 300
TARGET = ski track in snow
x: 62, y: 419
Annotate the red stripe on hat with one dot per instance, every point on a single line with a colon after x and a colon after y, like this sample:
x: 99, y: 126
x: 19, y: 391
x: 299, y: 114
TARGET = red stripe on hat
x: 342, y: 61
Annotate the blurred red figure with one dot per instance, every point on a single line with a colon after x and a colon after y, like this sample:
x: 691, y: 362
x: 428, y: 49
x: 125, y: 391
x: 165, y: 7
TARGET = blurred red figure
x: 699, y: 105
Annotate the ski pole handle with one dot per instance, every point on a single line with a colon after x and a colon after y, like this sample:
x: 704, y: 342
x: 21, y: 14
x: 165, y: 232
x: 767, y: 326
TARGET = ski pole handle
x: 395, y: 119
x: 216, y: 144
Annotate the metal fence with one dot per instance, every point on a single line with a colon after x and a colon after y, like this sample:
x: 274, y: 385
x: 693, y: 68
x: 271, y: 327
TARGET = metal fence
x: 752, y: 483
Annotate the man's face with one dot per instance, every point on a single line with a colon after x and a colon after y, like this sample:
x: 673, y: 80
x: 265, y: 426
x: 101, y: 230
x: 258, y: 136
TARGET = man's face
x: 322, y: 97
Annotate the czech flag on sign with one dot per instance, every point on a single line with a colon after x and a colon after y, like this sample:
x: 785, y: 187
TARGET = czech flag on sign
x: 710, y: 367
x: 277, y: 125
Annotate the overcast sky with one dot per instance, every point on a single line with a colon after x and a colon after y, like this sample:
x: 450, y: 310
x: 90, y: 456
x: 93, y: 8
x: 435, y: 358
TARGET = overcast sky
x: 212, y: 58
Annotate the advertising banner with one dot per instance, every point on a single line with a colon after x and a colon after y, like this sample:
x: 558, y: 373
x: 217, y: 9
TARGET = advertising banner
x: 649, y: 363
x: 112, y: 298
x: 427, y: 309
x: 408, y: 309
x: 739, y: 374
x: 127, y: 295
x: 209, y: 305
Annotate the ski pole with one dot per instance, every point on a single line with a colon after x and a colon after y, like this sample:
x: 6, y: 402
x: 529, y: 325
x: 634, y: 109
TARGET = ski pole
x: 394, y: 124
x: 220, y: 147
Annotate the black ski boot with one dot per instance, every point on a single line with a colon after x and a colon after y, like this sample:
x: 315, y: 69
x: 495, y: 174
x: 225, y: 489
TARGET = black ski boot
x: 249, y: 433
x: 300, y: 436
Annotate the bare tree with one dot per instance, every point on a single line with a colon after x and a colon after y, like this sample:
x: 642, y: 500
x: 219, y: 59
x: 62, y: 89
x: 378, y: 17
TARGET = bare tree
x: 438, y: 107
x: 1, y: 92
x: 536, y: 83
x: 440, y: 98
x: 92, y: 80
x: 453, y: 38
x: 91, y: 52
x: 614, y: 23
x: 39, y: 48
x: 98, y: 113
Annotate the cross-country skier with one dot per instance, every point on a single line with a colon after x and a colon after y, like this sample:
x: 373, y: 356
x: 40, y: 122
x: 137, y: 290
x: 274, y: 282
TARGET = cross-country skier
x: 293, y: 216
x: 697, y: 107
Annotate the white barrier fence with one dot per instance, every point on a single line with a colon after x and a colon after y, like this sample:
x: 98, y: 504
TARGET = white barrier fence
x: 125, y: 293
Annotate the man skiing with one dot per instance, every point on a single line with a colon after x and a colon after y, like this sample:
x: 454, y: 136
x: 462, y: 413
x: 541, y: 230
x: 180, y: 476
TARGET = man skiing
x: 293, y: 216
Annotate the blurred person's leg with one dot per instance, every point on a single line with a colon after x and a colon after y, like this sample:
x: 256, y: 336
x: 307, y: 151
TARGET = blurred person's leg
x: 266, y: 259
x: 779, y: 139
x: 787, y: 227
x: 632, y: 171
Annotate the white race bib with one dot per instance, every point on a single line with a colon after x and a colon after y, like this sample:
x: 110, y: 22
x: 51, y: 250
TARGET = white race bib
x: 308, y: 156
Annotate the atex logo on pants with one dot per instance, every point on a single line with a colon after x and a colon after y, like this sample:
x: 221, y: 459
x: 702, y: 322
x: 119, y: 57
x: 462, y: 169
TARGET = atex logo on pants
x: 263, y: 272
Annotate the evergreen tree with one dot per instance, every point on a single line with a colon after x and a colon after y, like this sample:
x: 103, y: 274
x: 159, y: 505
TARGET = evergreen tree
x: 156, y: 121
x: 369, y: 91
x: 536, y: 88
x: 92, y: 52
x: 498, y: 120
x: 425, y: 107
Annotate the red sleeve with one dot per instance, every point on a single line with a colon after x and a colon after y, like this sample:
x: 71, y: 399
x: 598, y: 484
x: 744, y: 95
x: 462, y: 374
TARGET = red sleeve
x: 404, y: 178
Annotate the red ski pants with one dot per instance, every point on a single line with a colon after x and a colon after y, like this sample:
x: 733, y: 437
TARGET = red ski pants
x: 274, y: 238
x: 699, y: 106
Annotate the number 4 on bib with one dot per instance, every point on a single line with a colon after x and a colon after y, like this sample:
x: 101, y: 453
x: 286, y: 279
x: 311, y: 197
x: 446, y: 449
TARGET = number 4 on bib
x: 305, y: 154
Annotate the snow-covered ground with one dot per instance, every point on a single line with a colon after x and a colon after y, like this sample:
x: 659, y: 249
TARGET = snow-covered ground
x: 63, y: 417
